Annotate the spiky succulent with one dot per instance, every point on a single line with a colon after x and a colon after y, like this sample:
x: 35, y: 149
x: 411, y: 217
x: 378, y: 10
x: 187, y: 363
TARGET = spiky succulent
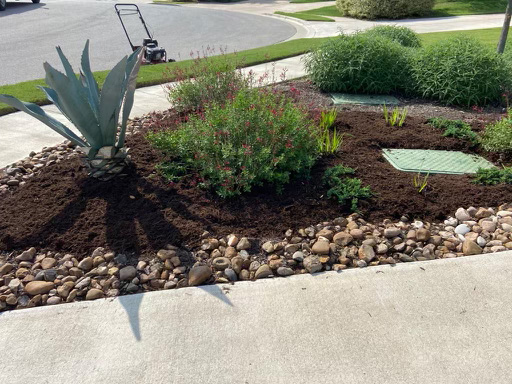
x: 95, y: 114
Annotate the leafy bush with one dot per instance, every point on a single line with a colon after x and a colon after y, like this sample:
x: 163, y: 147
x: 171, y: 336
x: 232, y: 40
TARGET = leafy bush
x: 460, y: 71
x: 402, y: 35
x: 258, y: 137
x: 388, y: 9
x: 345, y: 189
x: 360, y: 64
x: 493, y: 176
x: 454, y: 128
x: 205, y: 81
x: 498, y: 136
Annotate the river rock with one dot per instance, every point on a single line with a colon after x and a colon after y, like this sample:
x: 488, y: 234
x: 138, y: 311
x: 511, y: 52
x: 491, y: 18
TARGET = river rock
x: 39, y: 287
x: 199, y: 275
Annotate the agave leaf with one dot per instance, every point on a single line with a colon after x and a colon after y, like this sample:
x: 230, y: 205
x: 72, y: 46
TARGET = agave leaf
x: 91, y: 84
x: 73, y: 105
x: 37, y: 112
x: 110, y: 102
x: 69, y: 70
x: 131, y: 83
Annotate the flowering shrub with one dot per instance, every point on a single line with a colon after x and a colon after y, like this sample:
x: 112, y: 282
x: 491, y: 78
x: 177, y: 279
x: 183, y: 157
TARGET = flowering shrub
x: 259, y: 136
x: 207, y: 80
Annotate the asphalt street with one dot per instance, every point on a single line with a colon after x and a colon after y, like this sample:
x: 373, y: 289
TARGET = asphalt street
x: 29, y: 33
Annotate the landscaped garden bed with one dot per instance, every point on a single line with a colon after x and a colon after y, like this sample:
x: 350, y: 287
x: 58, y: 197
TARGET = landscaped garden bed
x: 237, y: 183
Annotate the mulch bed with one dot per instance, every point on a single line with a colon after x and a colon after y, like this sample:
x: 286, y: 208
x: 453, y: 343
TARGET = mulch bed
x: 61, y: 209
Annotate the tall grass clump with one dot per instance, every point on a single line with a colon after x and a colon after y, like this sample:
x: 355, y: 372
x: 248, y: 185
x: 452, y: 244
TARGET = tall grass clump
x: 360, y: 64
x: 384, y: 9
x: 402, y: 35
x: 460, y: 71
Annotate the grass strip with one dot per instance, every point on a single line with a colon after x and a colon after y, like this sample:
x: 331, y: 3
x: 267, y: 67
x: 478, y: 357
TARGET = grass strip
x: 304, y: 16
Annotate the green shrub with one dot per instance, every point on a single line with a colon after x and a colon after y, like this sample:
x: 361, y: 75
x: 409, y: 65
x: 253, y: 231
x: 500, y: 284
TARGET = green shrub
x: 386, y: 9
x: 258, y: 137
x: 460, y: 71
x: 402, y: 35
x: 454, y: 128
x: 498, y: 136
x: 493, y: 176
x: 360, y: 64
x: 206, y: 81
x: 345, y: 189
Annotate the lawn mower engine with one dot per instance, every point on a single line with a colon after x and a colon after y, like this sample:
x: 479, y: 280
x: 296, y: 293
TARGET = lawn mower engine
x: 153, y: 53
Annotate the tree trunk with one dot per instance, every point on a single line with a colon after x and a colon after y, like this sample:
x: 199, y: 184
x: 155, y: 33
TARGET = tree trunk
x: 506, y: 26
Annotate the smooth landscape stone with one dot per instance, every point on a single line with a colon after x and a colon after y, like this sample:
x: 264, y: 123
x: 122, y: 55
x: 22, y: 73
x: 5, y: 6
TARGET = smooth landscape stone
x: 39, y: 287
x: 199, y: 275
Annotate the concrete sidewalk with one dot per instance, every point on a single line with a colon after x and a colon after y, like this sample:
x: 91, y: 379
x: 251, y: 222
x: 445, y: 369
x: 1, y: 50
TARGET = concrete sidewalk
x: 444, y: 321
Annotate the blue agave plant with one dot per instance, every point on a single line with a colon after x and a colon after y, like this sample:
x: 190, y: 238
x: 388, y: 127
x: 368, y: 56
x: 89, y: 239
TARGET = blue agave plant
x: 95, y: 114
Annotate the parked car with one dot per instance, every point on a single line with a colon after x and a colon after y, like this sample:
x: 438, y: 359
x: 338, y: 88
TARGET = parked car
x: 3, y: 4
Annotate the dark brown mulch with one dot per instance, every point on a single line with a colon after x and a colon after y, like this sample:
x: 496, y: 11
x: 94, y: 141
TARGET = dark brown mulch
x: 61, y: 209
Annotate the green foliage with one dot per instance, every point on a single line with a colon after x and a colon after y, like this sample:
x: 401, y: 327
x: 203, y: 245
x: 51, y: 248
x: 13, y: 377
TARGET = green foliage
x: 493, y: 176
x: 257, y: 137
x: 208, y: 80
x: 343, y: 188
x: 329, y: 142
x: 498, y: 136
x: 460, y: 71
x: 95, y: 115
x: 360, y: 64
x: 454, y: 128
x: 384, y: 9
x: 420, y: 182
x: 402, y: 35
x: 397, y: 116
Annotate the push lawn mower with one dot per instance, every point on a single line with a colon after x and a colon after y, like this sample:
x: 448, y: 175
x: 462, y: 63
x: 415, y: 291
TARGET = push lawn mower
x: 153, y: 54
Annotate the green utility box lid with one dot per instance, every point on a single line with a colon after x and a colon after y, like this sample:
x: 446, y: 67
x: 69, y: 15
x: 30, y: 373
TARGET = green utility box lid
x: 347, y: 98
x: 433, y: 161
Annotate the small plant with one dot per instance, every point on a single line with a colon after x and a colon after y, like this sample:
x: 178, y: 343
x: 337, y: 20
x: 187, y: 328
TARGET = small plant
x: 420, y: 182
x: 497, y: 136
x: 346, y: 190
x: 258, y: 137
x: 397, y: 116
x: 94, y: 114
x: 329, y: 142
x: 454, y: 128
x: 208, y: 80
x: 493, y: 176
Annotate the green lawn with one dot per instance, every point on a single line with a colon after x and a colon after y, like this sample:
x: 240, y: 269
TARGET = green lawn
x: 153, y: 74
x: 443, y: 8
x: 468, y: 7
x: 307, y: 1
x: 305, y: 16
